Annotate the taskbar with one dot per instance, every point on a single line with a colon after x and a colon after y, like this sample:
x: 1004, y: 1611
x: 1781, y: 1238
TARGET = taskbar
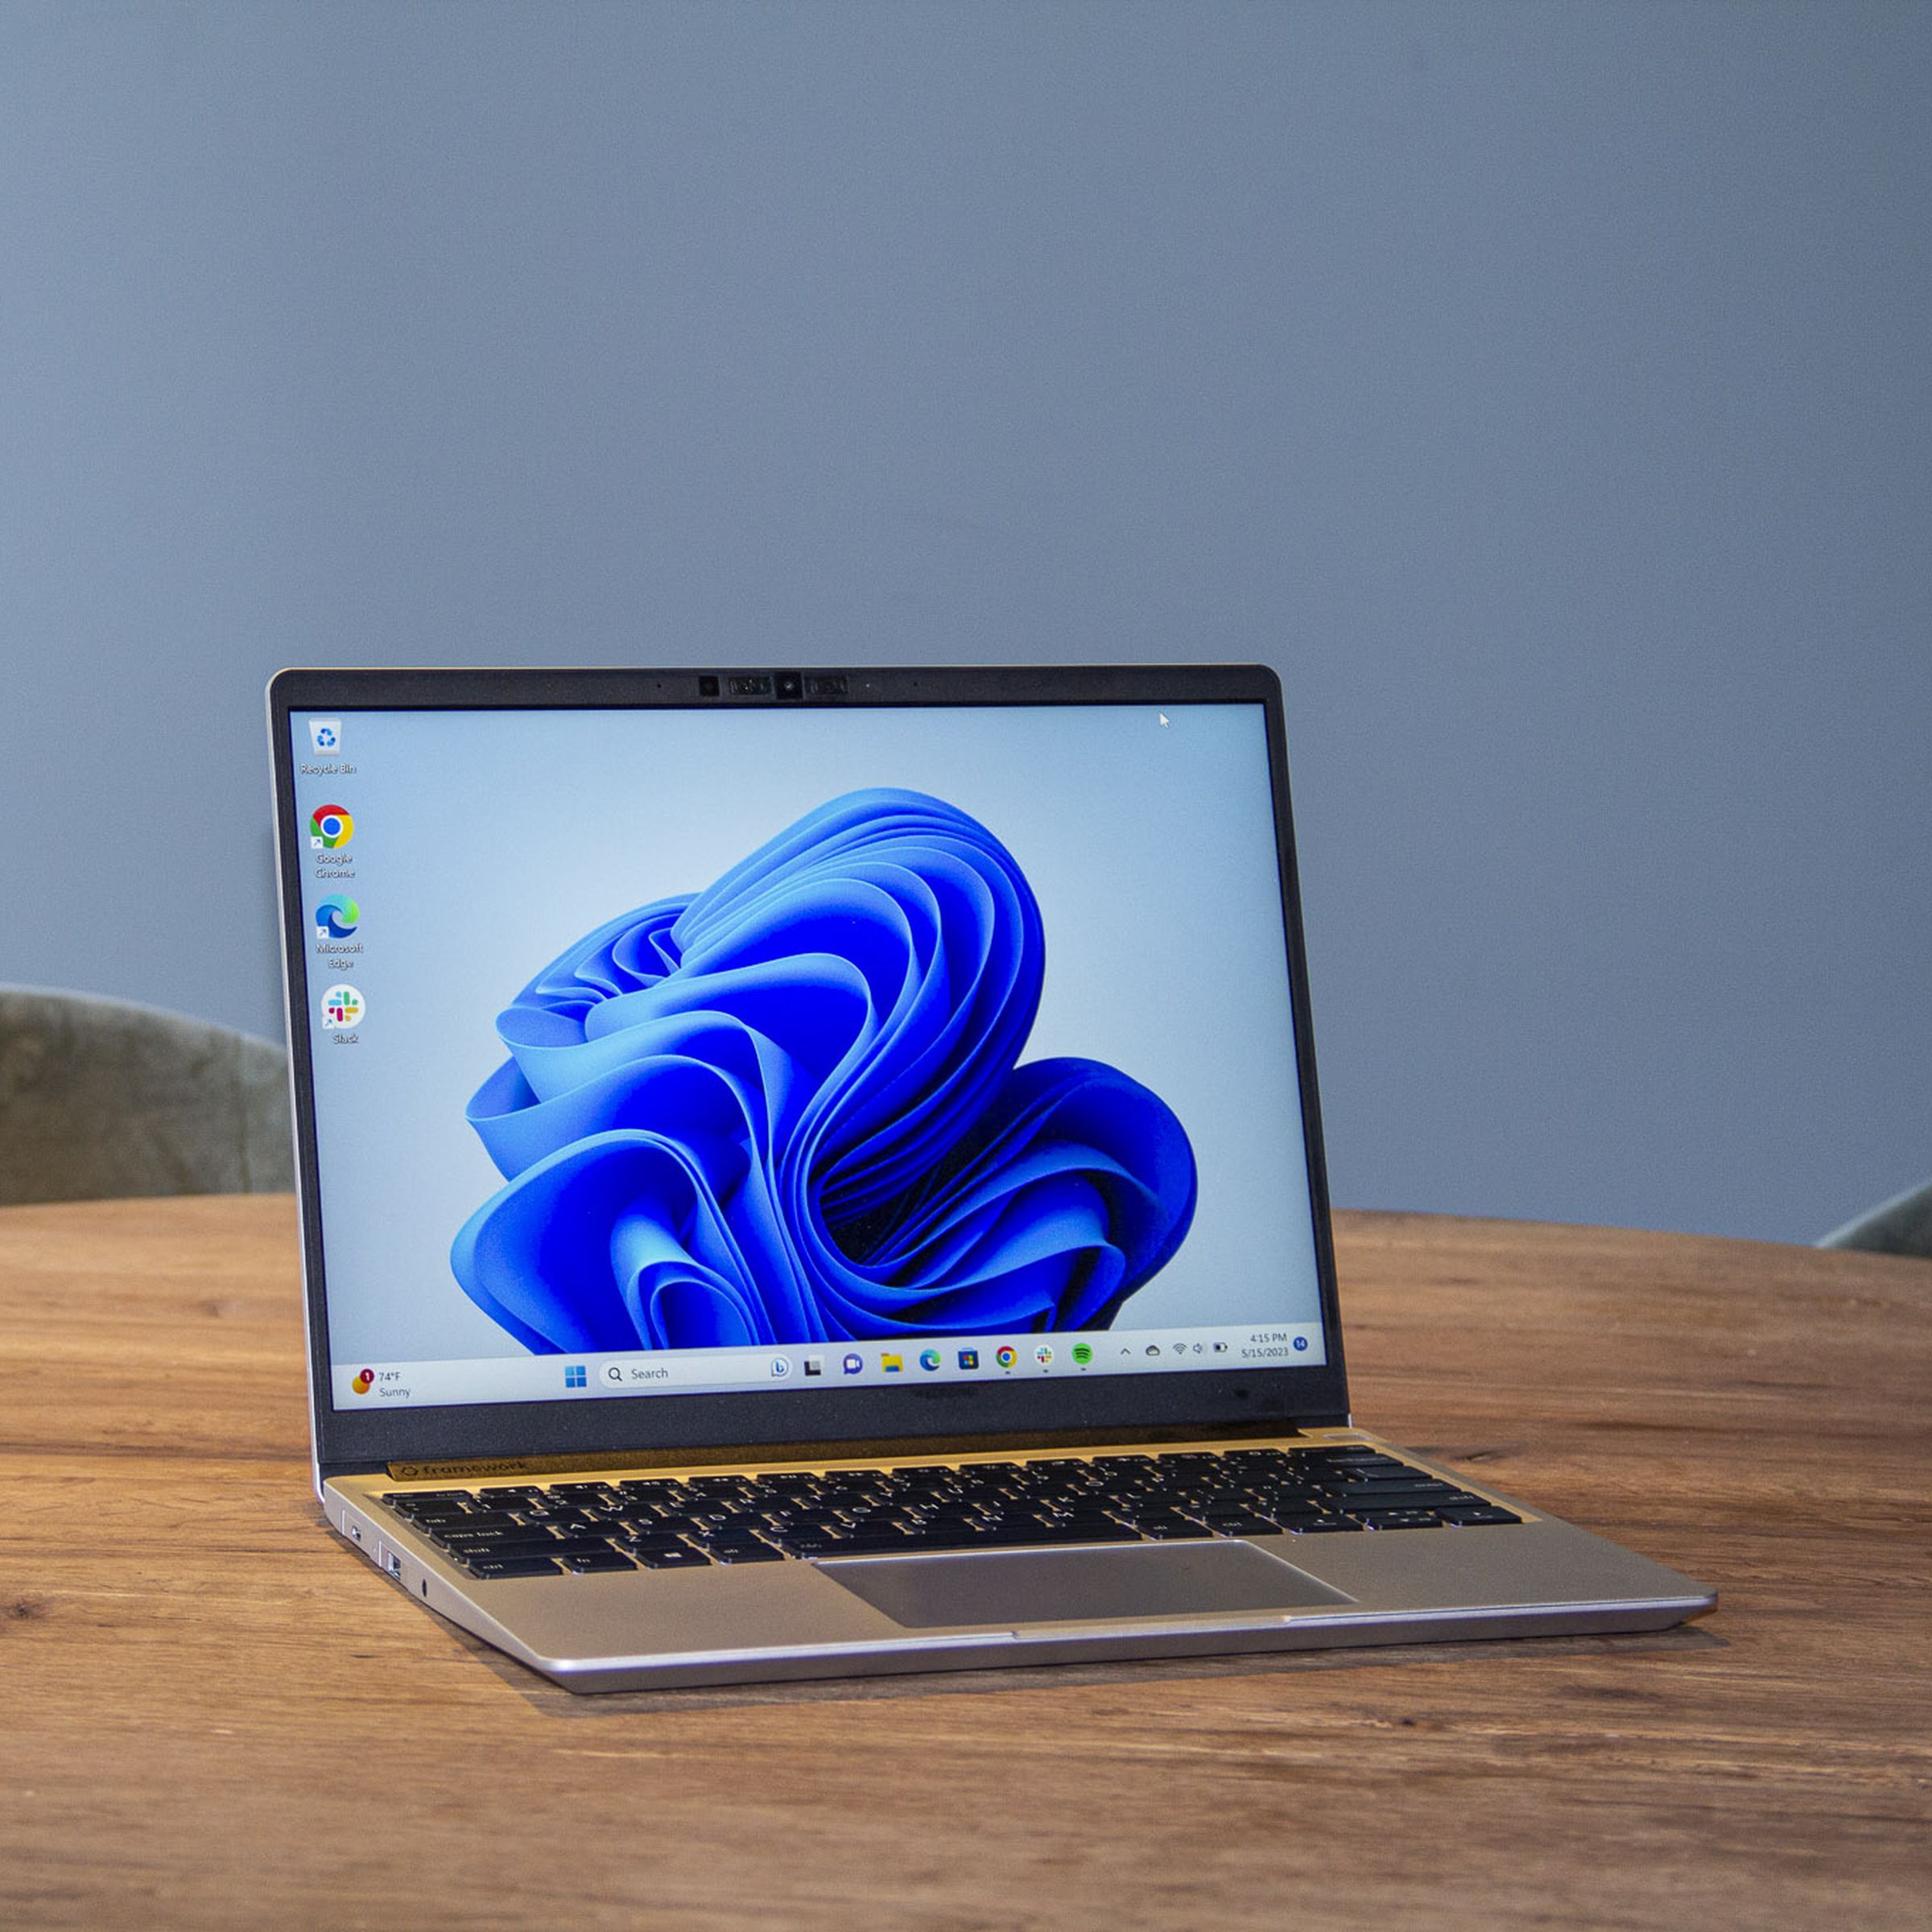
x: 591, y: 1375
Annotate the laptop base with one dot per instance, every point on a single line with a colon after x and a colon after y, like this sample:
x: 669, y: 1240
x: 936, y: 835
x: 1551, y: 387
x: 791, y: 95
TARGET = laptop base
x: 867, y: 1615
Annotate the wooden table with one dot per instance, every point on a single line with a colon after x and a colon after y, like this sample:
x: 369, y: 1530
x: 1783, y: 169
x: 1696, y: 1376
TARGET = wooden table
x: 212, y: 1713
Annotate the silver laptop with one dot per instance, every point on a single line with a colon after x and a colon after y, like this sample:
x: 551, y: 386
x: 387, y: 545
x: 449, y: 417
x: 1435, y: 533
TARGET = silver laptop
x: 807, y: 1172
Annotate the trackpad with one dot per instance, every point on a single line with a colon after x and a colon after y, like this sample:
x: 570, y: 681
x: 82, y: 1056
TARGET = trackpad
x: 1079, y: 1586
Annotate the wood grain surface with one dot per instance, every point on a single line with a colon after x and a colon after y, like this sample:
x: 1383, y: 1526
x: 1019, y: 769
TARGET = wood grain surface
x: 212, y: 1713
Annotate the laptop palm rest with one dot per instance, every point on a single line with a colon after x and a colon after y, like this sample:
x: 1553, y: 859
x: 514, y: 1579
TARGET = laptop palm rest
x: 1083, y: 1585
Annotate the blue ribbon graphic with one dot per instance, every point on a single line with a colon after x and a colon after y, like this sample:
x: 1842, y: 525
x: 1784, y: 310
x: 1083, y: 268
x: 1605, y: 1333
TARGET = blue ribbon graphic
x: 789, y: 1109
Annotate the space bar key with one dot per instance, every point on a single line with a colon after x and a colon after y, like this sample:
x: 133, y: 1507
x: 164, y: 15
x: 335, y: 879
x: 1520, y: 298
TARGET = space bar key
x: 1007, y: 1536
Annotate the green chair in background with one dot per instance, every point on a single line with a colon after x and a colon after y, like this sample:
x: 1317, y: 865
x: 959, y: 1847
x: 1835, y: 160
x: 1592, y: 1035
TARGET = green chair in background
x: 99, y: 1098
x: 1902, y: 1225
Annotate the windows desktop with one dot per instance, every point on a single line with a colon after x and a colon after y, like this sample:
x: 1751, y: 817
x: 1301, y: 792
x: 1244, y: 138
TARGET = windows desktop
x: 673, y: 1048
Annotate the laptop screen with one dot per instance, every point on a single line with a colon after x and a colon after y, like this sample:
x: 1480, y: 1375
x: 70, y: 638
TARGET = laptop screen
x: 660, y: 1050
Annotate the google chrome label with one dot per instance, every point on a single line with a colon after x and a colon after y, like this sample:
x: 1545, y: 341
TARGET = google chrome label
x: 330, y: 827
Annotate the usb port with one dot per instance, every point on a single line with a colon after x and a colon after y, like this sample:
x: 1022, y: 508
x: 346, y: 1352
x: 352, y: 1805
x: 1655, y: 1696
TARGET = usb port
x: 393, y: 1564
x: 826, y: 687
x: 751, y: 687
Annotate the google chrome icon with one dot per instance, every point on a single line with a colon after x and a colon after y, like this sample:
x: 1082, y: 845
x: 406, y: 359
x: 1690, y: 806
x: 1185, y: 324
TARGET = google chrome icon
x: 330, y: 827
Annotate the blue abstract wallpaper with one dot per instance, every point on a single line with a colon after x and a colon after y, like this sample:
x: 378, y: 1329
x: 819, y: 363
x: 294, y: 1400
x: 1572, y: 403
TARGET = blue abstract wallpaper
x: 790, y: 1107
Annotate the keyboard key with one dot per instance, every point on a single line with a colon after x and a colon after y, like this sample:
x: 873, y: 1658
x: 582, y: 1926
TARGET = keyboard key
x: 480, y: 1538
x: 813, y: 1542
x: 585, y: 1563
x: 504, y: 1547
x: 786, y: 1484
x: 1355, y: 1499
x: 1473, y: 1514
x: 495, y: 1567
x: 1396, y: 1519
x: 677, y: 1556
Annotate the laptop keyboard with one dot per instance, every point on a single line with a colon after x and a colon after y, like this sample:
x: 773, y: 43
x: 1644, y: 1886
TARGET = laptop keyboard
x: 688, y: 1522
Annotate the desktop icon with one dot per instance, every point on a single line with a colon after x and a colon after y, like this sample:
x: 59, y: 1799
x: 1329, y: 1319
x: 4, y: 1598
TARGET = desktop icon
x: 1082, y: 1353
x: 1006, y: 1357
x: 325, y: 734
x: 337, y: 919
x: 365, y: 1381
x: 891, y: 1364
x: 781, y: 1366
x: 969, y: 1358
x: 330, y: 827
x: 815, y: 1364
x: 343, y: 1006
x: 576, y: 1376
x: 1043, y: 1354
x: 853, y: 1364
x: 613, y: 1375
x: 1301, y: 1345
x: 929, y: 1358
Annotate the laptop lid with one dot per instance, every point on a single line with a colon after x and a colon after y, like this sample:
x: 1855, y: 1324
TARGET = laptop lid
x: 706, y: 1058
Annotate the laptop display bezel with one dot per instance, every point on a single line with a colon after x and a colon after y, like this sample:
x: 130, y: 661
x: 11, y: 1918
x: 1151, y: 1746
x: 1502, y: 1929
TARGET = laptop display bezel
x: 1205, y: 1399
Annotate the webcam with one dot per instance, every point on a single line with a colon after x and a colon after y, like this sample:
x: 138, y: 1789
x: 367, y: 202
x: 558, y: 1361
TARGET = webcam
x: 786, y: 687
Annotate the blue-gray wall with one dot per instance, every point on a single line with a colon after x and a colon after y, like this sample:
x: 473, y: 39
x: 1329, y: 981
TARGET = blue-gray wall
x: 1544, y: 389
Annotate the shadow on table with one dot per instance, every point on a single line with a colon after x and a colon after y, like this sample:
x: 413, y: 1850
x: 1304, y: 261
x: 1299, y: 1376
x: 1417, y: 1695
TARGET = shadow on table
x: 557, y: 1702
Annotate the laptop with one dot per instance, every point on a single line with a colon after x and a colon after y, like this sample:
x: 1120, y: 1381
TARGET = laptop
x: 818, y: 1172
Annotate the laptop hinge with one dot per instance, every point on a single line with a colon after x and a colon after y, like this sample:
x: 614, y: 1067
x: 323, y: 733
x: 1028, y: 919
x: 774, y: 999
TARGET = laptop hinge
x: 462, y: 1468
